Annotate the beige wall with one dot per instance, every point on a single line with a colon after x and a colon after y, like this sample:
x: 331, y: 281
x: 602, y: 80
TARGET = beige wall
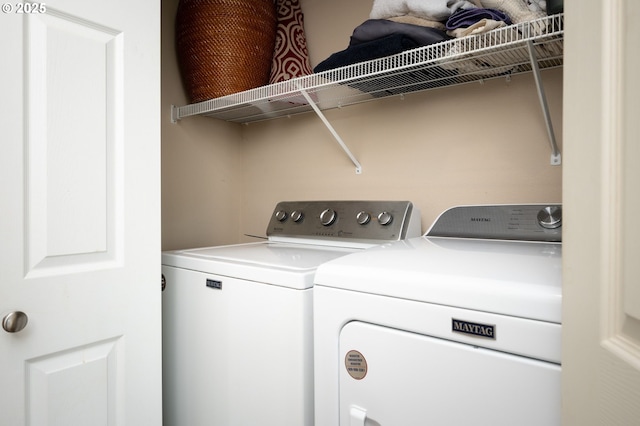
x: 477, y: 143
x: 200, y: 164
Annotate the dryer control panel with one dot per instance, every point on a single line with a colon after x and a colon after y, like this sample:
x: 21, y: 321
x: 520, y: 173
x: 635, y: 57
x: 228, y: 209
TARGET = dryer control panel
x: 524, y: 222
x: 345, y: 220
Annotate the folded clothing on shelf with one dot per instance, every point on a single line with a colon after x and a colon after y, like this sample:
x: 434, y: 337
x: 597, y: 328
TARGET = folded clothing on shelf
x: 436, y: 10
x: 482, y: 26
x: 466, y: 22
x: 517, y: 10
x: 416, y: 20
x: 391, y: 44
x: 377, y: 38
x: 373, y: 29
x: 374, y: 49
x: 468, y: 17
x: 400, y: 25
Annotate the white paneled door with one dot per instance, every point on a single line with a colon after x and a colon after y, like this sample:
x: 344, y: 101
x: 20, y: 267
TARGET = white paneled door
x: 601, y: 231
x: 80, y: 342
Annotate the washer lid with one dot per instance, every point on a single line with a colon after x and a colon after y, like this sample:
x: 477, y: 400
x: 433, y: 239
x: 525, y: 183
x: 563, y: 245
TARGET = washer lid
x: 521, y: 279
x: 284, y: 264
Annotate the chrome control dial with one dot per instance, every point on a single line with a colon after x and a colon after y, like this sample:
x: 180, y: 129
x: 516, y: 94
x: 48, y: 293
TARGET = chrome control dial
x: 327, y: 217
x: 550, y: 217
x: 297, y: 215
x: 281, y: 215
x: 385, y: 218
x: 363, y: 218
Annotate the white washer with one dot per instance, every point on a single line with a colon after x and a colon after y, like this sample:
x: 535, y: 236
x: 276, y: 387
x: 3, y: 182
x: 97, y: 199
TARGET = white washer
x: 452, y: 328
x: 237, y: 320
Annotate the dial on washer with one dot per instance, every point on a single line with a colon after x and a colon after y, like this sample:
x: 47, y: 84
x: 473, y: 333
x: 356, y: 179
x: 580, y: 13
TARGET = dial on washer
x: 327, y: 217
x: 281, y: 215
x: 550, y: 217
x: 297, y: 215
x: 385, y: 218
x: 363, y: 218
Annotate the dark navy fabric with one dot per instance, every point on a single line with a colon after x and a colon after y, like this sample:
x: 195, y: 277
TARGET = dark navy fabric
x: 463, y: 18
x: 379, y: 48
x: 377, y: 28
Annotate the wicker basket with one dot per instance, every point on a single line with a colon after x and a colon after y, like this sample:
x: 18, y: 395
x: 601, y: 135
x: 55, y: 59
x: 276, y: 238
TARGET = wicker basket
x: 224, y: 46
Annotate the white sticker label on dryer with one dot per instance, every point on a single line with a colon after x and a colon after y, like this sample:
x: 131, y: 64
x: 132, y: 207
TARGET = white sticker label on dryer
x: 356, y: 364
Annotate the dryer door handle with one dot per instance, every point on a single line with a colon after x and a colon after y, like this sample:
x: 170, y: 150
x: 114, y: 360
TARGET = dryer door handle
x: 358, y: 416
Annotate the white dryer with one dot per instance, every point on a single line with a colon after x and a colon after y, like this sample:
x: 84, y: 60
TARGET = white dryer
x: 459, y: 327
x: 237, y: 320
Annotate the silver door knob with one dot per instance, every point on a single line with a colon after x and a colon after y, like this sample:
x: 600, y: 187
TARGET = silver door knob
x: 14, y: 322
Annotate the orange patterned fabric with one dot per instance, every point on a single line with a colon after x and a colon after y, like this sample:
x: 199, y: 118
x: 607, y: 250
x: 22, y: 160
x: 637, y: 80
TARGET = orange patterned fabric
x: 290, y: 58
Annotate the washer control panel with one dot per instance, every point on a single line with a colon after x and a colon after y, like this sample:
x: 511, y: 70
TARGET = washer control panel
x: 526, y: 222
x: 345, y: 220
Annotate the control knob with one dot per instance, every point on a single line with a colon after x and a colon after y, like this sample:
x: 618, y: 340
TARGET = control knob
x: 363, y: 218
x: 281, y: 215
x: 550, y: 217
x: 385, y: 218
x: 327, y: 217
x: 297, y: 215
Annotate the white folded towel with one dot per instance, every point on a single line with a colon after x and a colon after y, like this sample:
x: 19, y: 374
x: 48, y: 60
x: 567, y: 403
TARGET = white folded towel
x: 517, y: 10
x: 434, y: 10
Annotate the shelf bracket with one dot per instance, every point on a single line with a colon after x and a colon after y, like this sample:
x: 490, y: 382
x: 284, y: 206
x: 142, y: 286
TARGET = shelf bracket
x: 556, y: 157
x: 332, y: 130
x: 174, y: 114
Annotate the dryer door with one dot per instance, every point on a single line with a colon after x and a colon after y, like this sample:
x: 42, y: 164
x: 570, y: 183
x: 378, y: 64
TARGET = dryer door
x: 392, y: 377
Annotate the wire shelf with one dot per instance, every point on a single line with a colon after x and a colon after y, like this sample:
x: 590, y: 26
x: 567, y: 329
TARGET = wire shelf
x: 500, y: 53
